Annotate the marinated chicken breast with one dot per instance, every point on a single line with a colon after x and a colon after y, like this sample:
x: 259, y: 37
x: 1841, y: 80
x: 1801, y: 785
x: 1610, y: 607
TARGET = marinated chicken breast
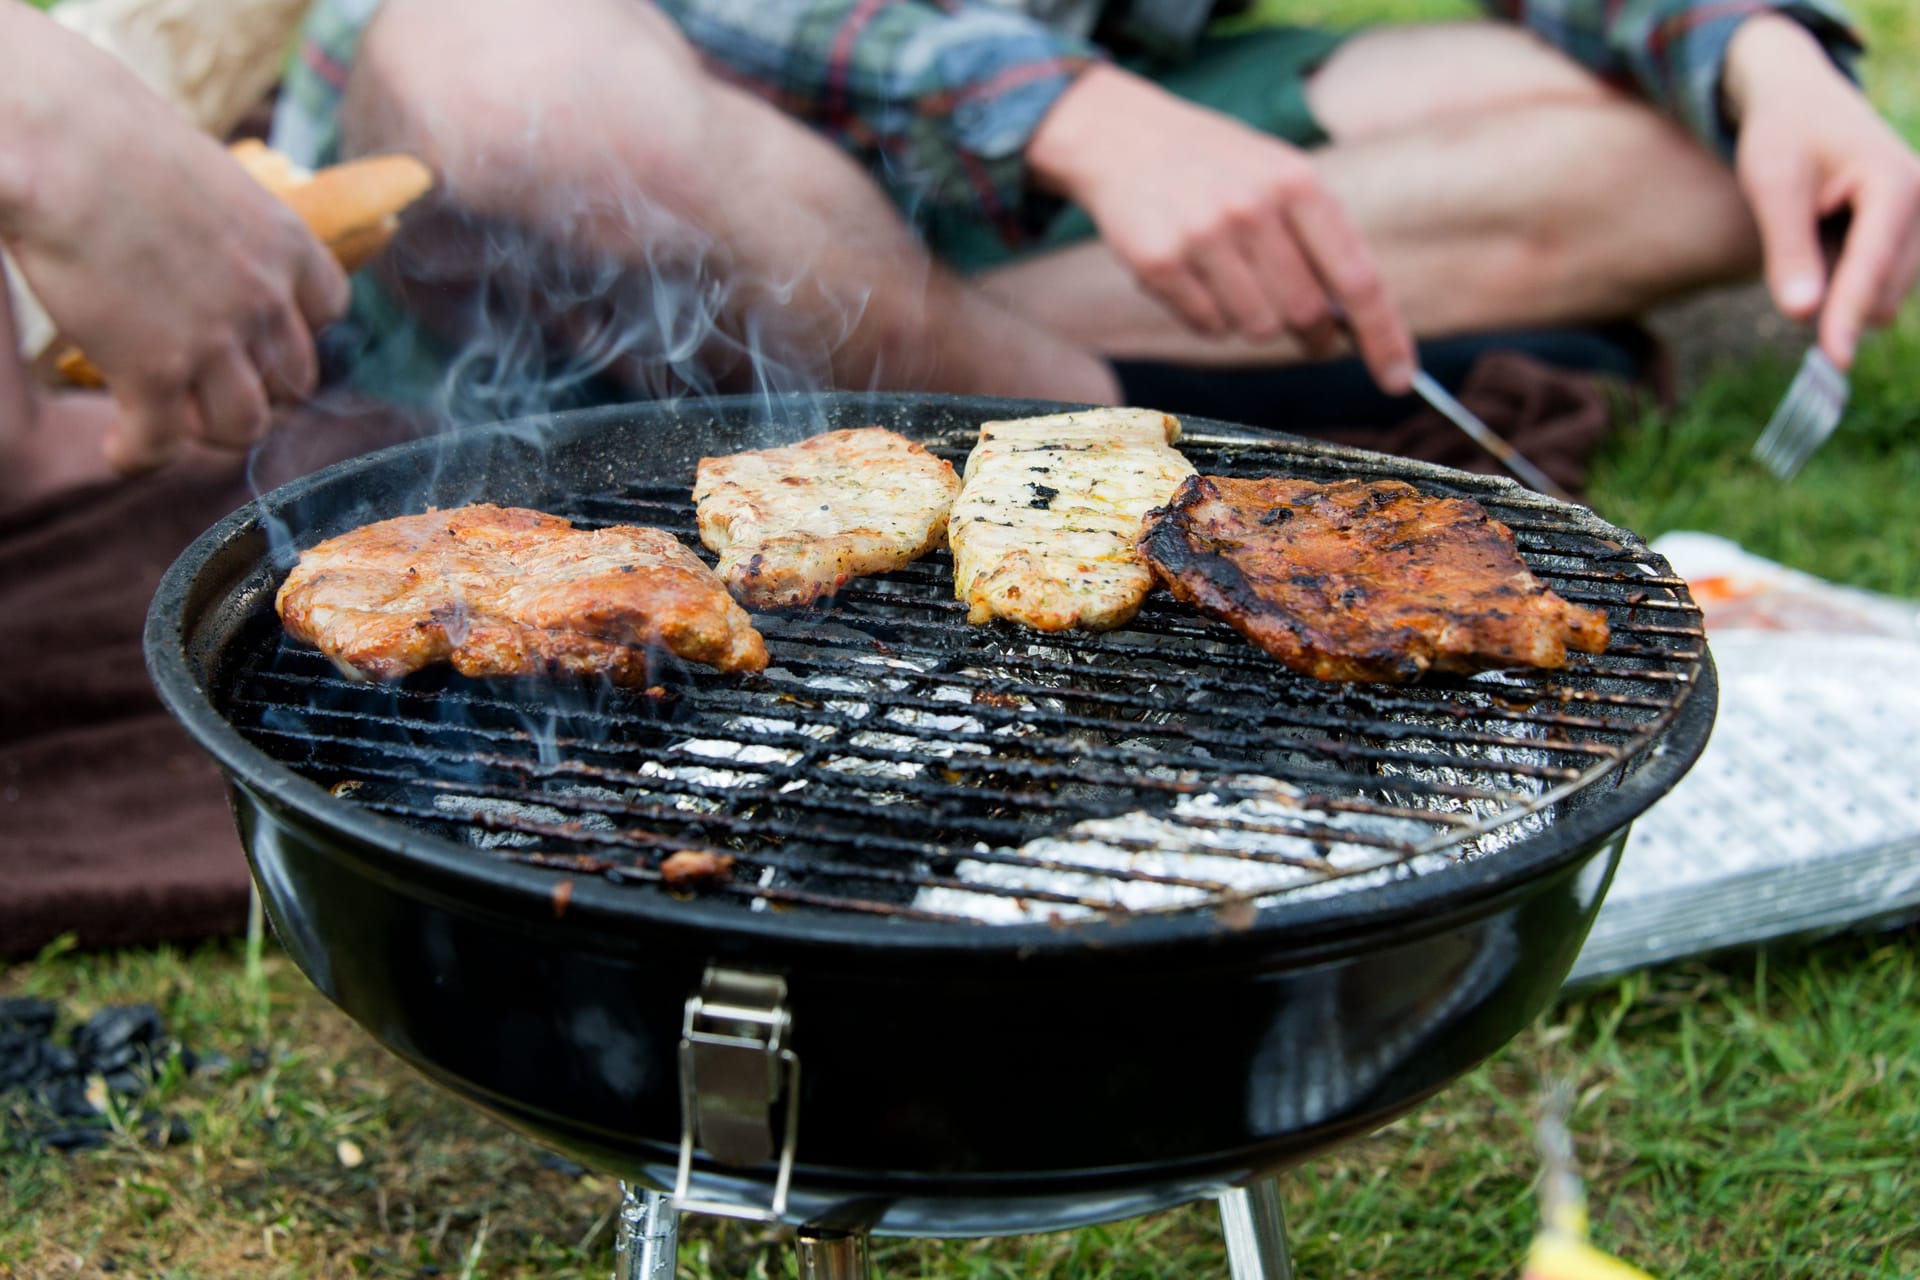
x: 501, y: 591
x: 1362, y: 580
x: 793, y: 524
x: 1045, y: 529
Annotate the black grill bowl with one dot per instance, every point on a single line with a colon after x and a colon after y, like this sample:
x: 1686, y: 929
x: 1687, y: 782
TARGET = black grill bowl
x: 957, y: 1078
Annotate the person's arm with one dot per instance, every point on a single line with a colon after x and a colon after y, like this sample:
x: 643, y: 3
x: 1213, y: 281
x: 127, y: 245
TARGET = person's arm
x: 943, y: 98
x: 1230, y: 228
x: 1811, y: 147
x: 1770, y: 86
x: 196, y: 293
x: 982, y: 109
x: 1673, y: 52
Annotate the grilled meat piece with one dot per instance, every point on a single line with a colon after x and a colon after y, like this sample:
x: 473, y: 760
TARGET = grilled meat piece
x: 1046, y: 525
x: 1362, y: 580
x: 505, y: 591
x: 791, y: 525
x: 691, y: 868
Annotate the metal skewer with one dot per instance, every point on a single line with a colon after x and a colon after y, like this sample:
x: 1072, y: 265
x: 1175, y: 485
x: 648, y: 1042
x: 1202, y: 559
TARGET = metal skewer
x: 1464, y: 418
x: 1483, y: 435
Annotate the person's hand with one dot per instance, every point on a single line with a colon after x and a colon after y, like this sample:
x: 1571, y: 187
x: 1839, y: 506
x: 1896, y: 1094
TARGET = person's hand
x: 1810, y: 147
x: 195, y: 292
x: 1230, y: 228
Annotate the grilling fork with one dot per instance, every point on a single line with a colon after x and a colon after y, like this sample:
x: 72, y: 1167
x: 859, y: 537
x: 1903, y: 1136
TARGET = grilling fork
x: 1818, y: 394
x: 1807, y: 415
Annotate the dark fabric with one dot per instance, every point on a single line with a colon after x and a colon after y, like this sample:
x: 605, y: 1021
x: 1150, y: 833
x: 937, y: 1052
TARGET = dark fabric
x: 114, y: 825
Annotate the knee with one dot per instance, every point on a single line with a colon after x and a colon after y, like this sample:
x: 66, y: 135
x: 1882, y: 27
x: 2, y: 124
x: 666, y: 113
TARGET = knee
x: 1396, y: 78
x: 501, y: 97
x: 1637, y: 207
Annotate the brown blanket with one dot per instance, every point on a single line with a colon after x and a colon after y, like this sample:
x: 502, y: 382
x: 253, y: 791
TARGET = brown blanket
x: 113, y: 824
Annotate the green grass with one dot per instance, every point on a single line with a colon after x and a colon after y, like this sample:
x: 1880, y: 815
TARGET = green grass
x: 1755, y: 1117
x: 1853, y: 514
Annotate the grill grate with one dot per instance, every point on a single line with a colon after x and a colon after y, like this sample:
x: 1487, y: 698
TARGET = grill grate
x: 895, y: 761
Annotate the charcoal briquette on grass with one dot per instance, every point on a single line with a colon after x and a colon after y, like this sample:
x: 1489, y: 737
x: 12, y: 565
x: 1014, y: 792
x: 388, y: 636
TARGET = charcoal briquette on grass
x: 117, y: 1058
x: 28, y: 1013
x: 22, y: 1060
x: 127, y: 1080
x: 59, y: 1060
x: 167, y: 1131
x: 66, y: 1096
x: 47, y: 1081
x: 114, y: 1033
x: 81, y: 1138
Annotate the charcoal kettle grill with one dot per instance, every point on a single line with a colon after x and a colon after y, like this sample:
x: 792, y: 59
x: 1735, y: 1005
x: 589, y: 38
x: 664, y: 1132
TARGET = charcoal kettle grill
x: 1015, y: 932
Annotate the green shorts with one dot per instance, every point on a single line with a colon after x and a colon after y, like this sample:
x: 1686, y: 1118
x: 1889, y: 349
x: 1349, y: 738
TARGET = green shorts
x: 1257, y: 76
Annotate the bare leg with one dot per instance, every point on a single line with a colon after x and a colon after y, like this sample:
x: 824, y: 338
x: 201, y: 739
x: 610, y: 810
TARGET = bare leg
x: 1400, y: 78
x: 594, y: 126
x: 1517, y: 192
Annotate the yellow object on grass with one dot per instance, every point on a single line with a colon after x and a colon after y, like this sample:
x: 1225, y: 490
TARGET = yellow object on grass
x: 1560, y: 1251
x: 1557, y: 1257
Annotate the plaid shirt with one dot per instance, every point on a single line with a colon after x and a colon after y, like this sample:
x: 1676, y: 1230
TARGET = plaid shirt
x: 938, y: 98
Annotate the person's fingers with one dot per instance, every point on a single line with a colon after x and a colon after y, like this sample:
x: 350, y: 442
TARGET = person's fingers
x: 1305, y: 308
x: 1781, y: 192
x: 150, y: 429
x: 1228, y: 274
x: 320, y: 287
x: 1174, y: 283
x: 233, y: 404
x: 283, y: 352
x: 1342, y: 261
x: 1882, y: 220
x: 1900, y: 281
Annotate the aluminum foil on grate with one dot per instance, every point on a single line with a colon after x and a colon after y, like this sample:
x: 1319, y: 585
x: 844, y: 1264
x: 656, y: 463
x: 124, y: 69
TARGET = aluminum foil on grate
x: 1252, y: 839
x: 1251, y: 849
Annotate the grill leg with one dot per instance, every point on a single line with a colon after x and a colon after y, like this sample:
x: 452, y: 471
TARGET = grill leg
x: 648, y: 1239
x: 1256, y: 1232
x: 833, y: 1255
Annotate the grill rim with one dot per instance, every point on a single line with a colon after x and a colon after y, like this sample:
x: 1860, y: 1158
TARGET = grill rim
x: 235, y: 560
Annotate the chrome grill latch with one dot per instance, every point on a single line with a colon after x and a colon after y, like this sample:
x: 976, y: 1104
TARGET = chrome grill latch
x: 735, y: 1072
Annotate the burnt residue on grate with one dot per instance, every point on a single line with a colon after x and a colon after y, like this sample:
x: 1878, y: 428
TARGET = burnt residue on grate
x: 894, y: 760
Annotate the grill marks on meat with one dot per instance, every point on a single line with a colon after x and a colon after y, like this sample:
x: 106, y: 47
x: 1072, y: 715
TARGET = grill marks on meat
x: 1046, y: 527
x: 505, y: 591
x: 793, y: 524
x: 1362, y: 580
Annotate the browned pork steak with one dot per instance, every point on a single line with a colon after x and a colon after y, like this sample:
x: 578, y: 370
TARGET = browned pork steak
x: 1362, y: 580
x: 502, y: 591
x: 794, y: 524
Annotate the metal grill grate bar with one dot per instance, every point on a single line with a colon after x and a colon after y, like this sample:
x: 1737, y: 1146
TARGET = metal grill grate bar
x: 892, y: 751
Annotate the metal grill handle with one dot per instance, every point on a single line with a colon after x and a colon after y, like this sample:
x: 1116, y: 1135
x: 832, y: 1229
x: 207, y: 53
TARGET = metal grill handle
x: 735, y: 1069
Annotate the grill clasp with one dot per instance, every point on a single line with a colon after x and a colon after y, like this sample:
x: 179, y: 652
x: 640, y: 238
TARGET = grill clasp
x: 735, y: 1071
